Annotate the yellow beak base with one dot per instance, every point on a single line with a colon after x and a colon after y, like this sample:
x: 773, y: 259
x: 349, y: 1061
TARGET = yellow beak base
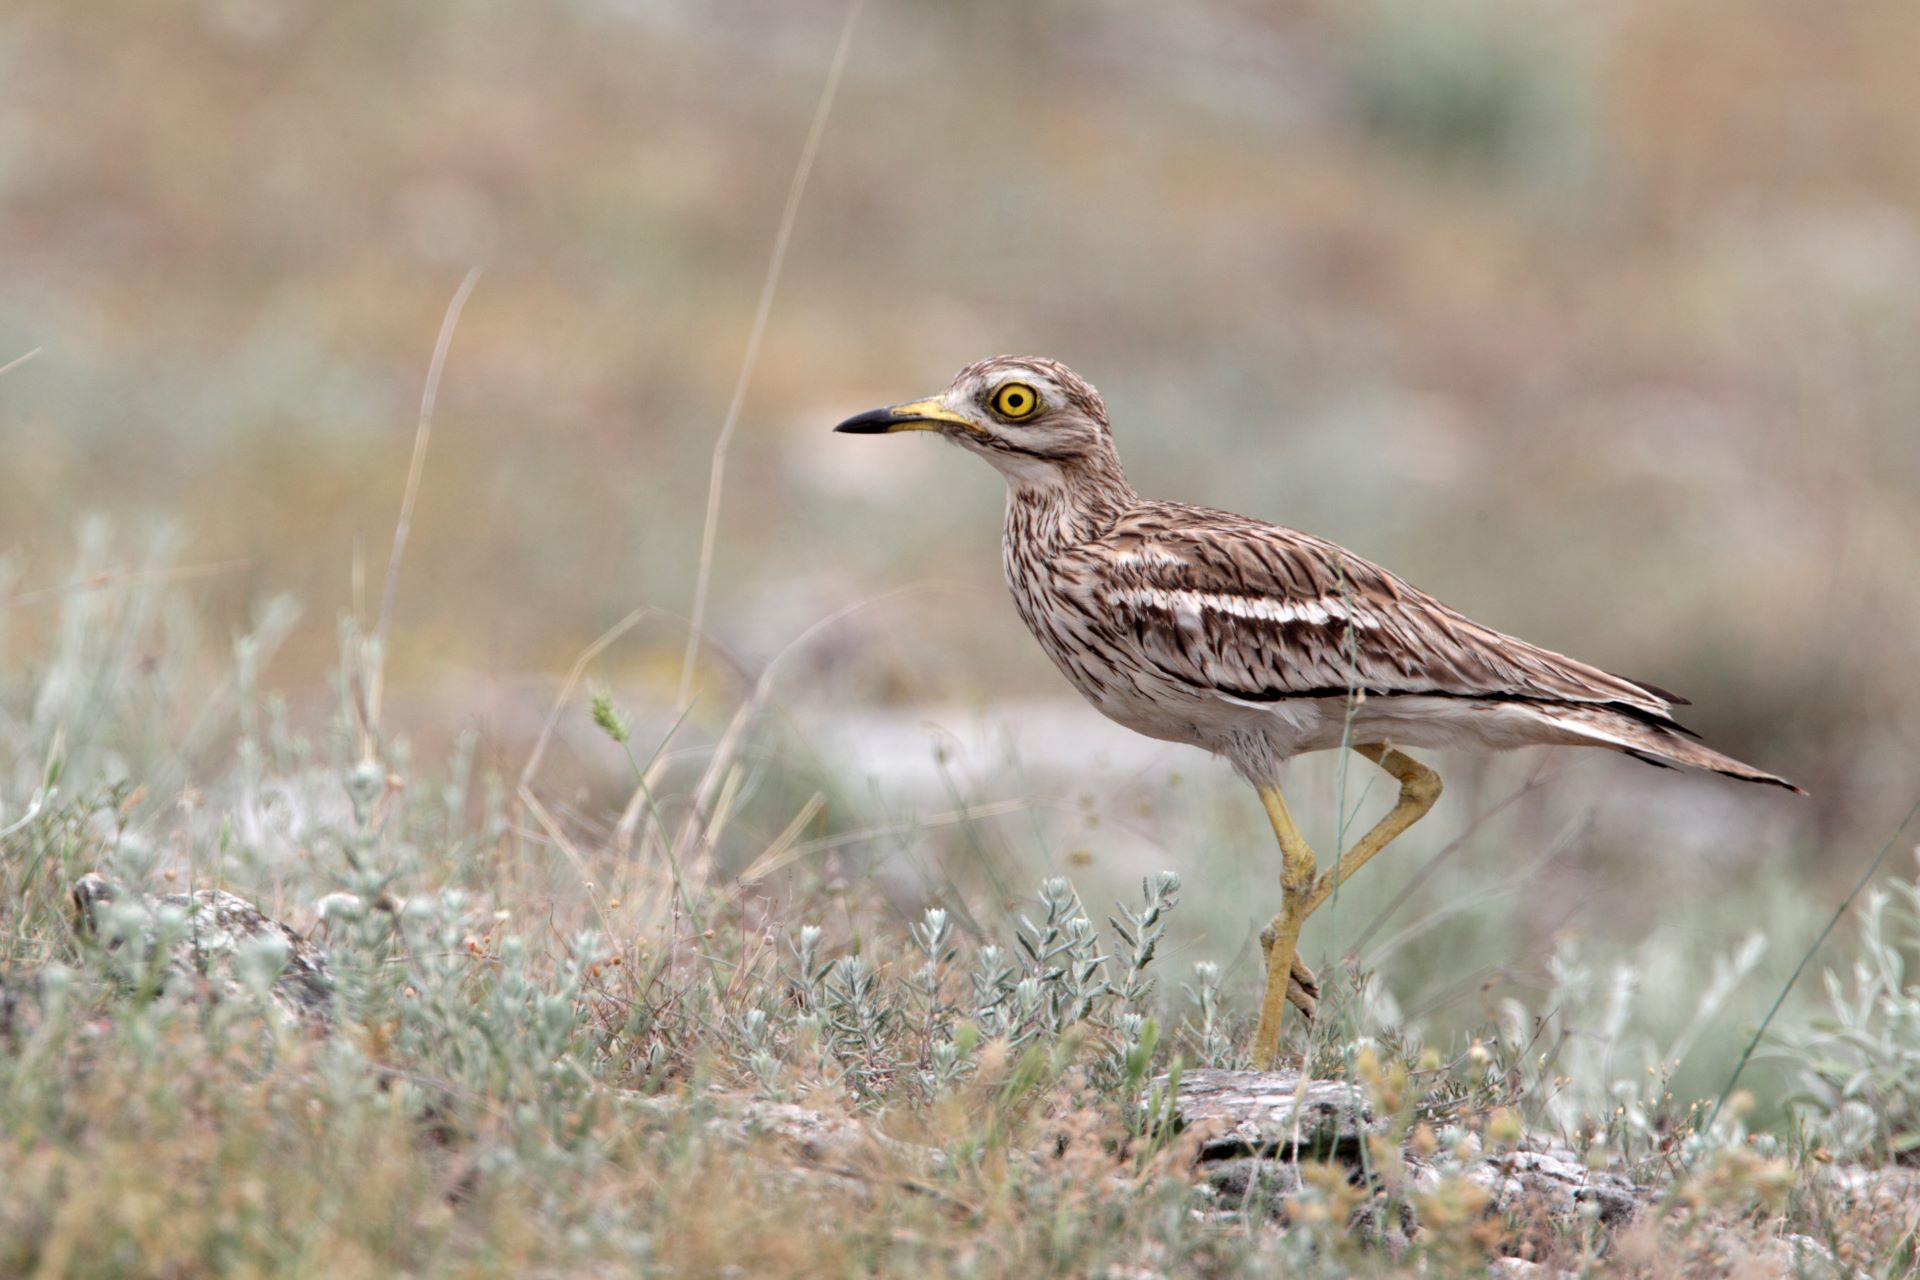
x: 918, y: 415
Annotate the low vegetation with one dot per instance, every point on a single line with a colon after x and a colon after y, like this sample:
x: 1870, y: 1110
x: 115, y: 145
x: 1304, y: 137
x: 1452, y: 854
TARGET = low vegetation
x: 547, y: 1046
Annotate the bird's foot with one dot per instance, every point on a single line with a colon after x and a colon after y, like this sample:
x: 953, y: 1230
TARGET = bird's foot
x: 1303, y: 989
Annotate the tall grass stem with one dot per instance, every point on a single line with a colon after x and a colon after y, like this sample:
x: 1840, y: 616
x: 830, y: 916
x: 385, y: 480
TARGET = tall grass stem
x: 19, y: 360
x: 769, y: 286
x: 422, y: 437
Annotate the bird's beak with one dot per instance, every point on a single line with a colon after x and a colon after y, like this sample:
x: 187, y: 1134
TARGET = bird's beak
x: 919, y: 415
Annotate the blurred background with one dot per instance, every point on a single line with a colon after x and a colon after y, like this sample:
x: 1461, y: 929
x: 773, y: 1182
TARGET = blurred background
x: 1599, y: 322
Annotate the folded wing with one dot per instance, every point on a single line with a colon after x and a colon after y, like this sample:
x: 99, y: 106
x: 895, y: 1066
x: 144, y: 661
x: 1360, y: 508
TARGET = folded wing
x: 1259, y: 613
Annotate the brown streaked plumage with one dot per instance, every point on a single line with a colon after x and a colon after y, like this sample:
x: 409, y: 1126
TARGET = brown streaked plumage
x: 1259, y: 642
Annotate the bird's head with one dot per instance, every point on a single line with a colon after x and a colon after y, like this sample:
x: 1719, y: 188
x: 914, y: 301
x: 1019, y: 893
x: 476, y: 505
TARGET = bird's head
x: 1034, y: 419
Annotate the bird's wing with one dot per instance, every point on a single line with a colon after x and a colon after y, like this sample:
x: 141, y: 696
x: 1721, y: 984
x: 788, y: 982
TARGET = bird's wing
x: 1259, y: 613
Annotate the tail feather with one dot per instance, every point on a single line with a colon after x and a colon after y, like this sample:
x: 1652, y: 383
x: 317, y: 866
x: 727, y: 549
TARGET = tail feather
x: 1683, y: 751
x: 1657, y: 744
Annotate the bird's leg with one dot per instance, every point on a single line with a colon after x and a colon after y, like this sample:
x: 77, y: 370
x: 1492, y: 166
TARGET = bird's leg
x: 1419, y: 788
x: 1287, y: 978
x: 1281, y: 939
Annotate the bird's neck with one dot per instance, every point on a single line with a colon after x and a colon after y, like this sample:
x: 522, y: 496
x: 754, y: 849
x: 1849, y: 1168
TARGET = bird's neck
x: 1056, y: 507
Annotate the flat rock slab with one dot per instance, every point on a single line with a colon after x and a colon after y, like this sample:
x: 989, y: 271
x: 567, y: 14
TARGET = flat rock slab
x: 1556, y: 1181
x: 1269, y: 1113
x: 1255, y: 1125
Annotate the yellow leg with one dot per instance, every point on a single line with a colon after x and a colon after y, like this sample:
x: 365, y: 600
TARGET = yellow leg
x: 1282, y: 938
x: 1287, y: 977
x: 1419, y: 789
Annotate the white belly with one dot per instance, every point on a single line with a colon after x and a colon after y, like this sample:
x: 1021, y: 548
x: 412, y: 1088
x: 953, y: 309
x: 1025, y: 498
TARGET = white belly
x: 1292, y: 727
x: 1258, y: 737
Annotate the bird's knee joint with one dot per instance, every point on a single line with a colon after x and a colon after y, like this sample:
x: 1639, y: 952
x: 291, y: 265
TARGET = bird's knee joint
x: 1423, y: 787
x: 1296, y: 874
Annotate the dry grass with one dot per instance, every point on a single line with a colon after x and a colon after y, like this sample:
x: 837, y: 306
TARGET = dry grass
x: 544, y: 1056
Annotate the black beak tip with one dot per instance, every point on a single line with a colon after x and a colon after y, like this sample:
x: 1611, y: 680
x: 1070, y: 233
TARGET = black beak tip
x: 871, y: 423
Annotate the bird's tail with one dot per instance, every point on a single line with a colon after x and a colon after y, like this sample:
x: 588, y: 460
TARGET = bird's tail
x: 1656, y: 744
x: 1667, y: 748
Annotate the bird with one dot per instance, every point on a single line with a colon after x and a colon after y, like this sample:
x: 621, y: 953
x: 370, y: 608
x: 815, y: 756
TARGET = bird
x: 1259, y: 643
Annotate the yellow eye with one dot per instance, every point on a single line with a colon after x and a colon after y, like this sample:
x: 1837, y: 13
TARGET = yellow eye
x: 1016, y: 400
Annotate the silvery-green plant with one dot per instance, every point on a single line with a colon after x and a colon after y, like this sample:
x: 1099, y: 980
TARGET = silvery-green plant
x: 859, y: 1017
x: 933, y: 937
x: 1207, y: 1030
x: 993, y: 978
x: 807, y: 974
x: 1859, y: 1065
x: 1063, y: 955
x: 1140, y: 933
x: 754, y: 1048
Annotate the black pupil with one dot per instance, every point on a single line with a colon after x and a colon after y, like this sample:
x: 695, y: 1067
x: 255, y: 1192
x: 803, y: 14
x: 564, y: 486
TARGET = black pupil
x: 1016, y: 401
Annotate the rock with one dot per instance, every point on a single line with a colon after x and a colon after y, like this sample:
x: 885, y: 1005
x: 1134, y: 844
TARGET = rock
x: 1256, y: 1127
x: 1554, y: 1181
x: 1805, y: 1256
x: 212, y: 937
x: 1245, y: 1179
x: 1514, y: 1269
x: 1893, y: 1191
x: 1521, y: 1269
x: 812, y: 1137
x: 1269, y: 1113
x: 1743, y: 1251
